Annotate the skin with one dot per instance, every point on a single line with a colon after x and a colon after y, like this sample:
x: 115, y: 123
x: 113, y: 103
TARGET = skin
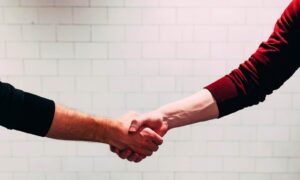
x: 193, y: 109
x: 69, y: 124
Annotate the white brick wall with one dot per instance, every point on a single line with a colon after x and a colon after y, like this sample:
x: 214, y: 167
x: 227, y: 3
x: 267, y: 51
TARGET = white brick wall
x: 110, y: 56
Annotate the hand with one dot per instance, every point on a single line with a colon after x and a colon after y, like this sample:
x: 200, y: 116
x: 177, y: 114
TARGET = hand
x: 144, y: 141
x: 153, y: 120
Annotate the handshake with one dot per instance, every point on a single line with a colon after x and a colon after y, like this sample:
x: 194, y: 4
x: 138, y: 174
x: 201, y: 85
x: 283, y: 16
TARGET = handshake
x: 137, y: 135
x: 133, y: 136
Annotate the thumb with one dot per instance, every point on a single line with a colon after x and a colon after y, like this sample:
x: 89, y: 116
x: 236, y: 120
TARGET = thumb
x: 134, y: 126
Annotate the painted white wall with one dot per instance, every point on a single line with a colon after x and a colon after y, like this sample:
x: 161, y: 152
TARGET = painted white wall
x: 110, y: 56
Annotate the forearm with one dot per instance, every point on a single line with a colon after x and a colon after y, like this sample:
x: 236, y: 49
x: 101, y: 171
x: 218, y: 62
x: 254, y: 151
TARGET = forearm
x: 69, y: 124
x: 196, y: 108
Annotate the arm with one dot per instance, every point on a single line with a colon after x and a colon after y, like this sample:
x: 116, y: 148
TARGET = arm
x: 196, y: 108
x: 69, y: 124
x: 36, y: 115
x: 266, y: 70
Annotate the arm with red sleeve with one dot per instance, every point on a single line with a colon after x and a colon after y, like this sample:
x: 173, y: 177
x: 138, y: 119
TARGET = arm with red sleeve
x: 268, y: 68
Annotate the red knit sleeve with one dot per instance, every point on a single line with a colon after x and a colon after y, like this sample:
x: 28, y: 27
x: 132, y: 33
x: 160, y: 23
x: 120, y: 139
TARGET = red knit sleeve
x: 266, y: 70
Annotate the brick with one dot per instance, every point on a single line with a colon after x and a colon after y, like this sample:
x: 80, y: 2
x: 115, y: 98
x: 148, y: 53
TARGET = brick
x: 40, y: 67
x: 137, y: 100
x: 108, y: 33
x: 240, y: 133
x: 10, y: 33
x: 45, y: 164
x: 92, y: 149
x: 74, y: 68
x: 174, y: 67
x: 138, y: 3
x: 142, y: 68
x: 12, y: 164
x: 72, y: 3
x: 29, y: 176
x: 190, y: 176
x: 73, y: 33
x: 82, y: 164
x: 256, y: 149
x: 38, y: 33
x: 91, y: 84
x: 159, y: 16
x: 36, y: 3
x: 206, y: 164
x: 90, y: 16
x: 271, y: 165
x: 159, y: 84
x: 108, y: 100
x: 239, y: 164
x: 176, y: 33
x: 26, y: 149
x: 94, y: 176
x: 57, y: 50
x: 160, y: 176
x: 58, y: 84
x: 210, y: 33
x: 126, y: 175
x: 194, y: 16
x: 90, y: 50
x: 124, y: 16
x: 11, y: 67
x: 142, y: 33
x: 54, y: 148
x: 124, y: 50
x: 257, y: 176
x: 107, y: 3
x: 159, y: 51
x: 22, y: 50
x: 109, y: 164
x: 216, y: 176
x: 228, y: 16
x: 273, y: 133
x: 125, y: 84
x: 193, y: 50
x: 50, y: 15
x: 222, y: 149
x: 15, y: 15
x: 108, y: 68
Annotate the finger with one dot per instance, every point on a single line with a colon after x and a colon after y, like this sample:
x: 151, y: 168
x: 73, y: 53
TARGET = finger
x: 143, y: 151
x: 126, y: 153
x: 153, y: 136
x: 117, y: 150
x: 139, y: 159
x: 134, y: 126
x: 157, y: 139
x: 151, y: 146
x: 133, y: 157
x: 112, y: 149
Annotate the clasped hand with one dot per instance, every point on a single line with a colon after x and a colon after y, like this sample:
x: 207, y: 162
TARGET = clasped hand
x: 145, y: 135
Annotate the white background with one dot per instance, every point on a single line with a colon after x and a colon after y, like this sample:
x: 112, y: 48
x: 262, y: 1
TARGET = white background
x: 110, y: 56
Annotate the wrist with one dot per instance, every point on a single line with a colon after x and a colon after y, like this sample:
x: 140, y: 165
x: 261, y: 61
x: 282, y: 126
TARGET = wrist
x: 103, y: 132
x: 113, y: 133
x: 166, y: 118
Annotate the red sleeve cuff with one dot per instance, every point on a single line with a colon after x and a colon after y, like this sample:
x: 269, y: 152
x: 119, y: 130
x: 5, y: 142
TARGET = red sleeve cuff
x: 226, y: 95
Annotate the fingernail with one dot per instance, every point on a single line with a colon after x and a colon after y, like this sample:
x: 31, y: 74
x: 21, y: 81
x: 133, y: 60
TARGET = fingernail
x: 132, y: 129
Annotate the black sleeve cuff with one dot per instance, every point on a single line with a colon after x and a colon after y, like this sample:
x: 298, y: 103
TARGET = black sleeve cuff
x: 38, y: 115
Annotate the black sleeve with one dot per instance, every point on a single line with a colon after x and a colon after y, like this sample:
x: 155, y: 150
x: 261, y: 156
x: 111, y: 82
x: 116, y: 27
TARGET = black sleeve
x: 24, y: 111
